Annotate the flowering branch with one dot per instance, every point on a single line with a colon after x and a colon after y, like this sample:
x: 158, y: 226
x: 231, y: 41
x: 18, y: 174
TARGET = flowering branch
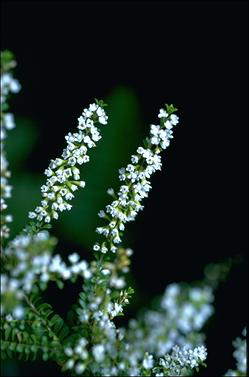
x: 240, y: 355
x: 8, y: 85
x: 63, y: 174
x: 101, y: 300
x: 136, y: 185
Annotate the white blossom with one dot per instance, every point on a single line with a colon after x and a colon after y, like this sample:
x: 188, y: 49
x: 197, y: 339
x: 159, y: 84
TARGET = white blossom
x: 174, y: 363
x: 8, y: 85
x: 99, y: 352
x: 63, y: 175
x: 240, y: 355
x: 136, y: 185
x: 74, y: 258
x: 148, y: 361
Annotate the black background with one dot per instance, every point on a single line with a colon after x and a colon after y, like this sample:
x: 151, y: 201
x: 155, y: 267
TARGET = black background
x: 191, y: 54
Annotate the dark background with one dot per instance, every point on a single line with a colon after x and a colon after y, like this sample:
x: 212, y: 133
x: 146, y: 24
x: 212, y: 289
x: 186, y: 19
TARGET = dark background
x: 191, y: 54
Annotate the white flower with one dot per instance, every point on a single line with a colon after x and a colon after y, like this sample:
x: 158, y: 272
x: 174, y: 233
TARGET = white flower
x: 101, y: 214
x: 174, y: 119
x: 110, y: 191
x: 68, y: 351
x: 18, y: 312
x: 79, y: 368
x: 168, y: 125
x: 9, y: 121
x: 99, y: 352
x: 74, y: 258
x: 162, y: 113
x: 115, y: 309
x: 87, y: 274
x: 70, y: 364
x: 148, y: 361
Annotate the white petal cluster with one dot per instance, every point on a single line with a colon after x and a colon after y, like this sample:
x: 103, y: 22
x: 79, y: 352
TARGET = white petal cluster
x: 152, y: 345
x: 8, y: 85
x: 7, y: 123
x: 148, y: 361
x: 77, y: 357
x: 98, y: 352
x: 174, y: 364
x: 114, y: 309
x: 136, y: 184
x: 6, y: 190
x: 191, y: 314
x: 34, y: 262
x: 240, y: 355
x: 178, y: 320
x: 63, y: 174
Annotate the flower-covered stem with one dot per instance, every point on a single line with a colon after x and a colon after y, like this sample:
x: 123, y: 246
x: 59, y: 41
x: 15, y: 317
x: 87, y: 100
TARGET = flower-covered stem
x: 180, y: 361
x: 240, y: 355
x: 165, y: 341
x: 8, y: 85
x: 63, y: 173
x: 105, y: 289
x: 136, y: 184
x: 104, y: 296
x: 28, y: 263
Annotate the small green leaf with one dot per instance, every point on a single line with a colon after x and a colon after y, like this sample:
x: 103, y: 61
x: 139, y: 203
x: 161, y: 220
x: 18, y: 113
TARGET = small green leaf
x: 58, y: 325
x: 82, y: 303
x: 60, y: 284
x: 54, y: 319
x: 20, y: 348
x: 64, y: 332
x: 170, y: 109
x: 79, y: 311
x: 7, y: 332
x: 12, y: 346
x: 4, y: 345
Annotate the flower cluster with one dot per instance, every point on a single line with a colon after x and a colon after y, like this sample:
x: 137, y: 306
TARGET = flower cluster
x: 240, y: 354
x: 77, y: 357
x: 180, y: 360
x: 192, y: 311
x: 29, y: 260
x: 155, y: 334
x: 136, y: 185
x: 152, y: 345
x: 8, y: 85
x: 106, y: 295
x: 63, y: 174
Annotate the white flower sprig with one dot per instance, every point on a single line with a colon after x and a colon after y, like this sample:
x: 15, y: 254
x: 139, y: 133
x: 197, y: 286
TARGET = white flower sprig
x: 29, y: 261
x: 136, y: 184
x: 179, y: 318
x: 240, y: 355
x: 8, y: 85
x: 77, y: 357
x: 63, y: 174
x: 180, y: 361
